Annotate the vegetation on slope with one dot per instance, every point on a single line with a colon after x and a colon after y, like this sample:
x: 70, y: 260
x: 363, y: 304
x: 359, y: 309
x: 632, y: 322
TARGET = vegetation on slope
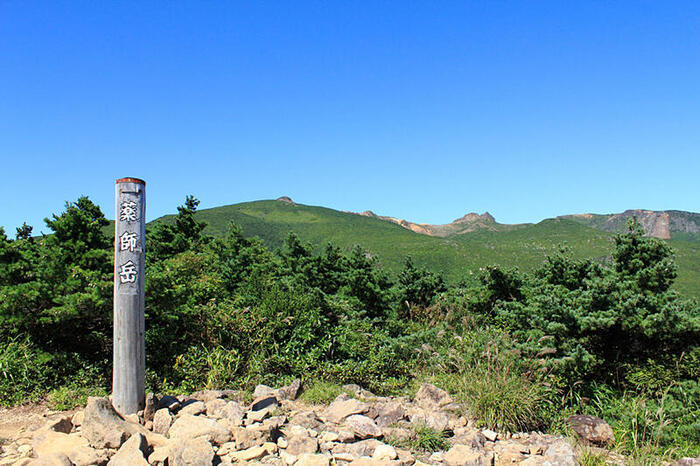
x: 574, y: 335
x: 457, y: 258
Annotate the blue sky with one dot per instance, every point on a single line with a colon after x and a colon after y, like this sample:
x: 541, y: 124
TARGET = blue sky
x: 421, y: 110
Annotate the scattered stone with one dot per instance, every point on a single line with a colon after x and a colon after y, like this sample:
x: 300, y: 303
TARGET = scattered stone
x: 150, y: 408
x: 430, y: 397
x: 310, y: 459
x: 194, y: 408
x: 247, y: 438
x: 561, y: 453
x: 78, y: 418
x: 60, y: 424
x: 592, y: 430
x: 162, y: 421
x: 190, y: 452
x: 462, y: 455
x: 307, y: 419
x: 342, y: 407
x: 688, y: 461
x: 264, y: 402
x: 53, y: 459
x: 262, y: 391
x: 189, y: 426
x: 363, y: 426
x: 102, y: 426
x: 301, y: 443
x: 490, y: 435
x: 253, y: 453
x: 131, y: 452
x: 289, y: 392
x: 388, y: 413
x: 436, y: 420
x: 208, y: 395
x: 384, y: 452
x: 169, y: 402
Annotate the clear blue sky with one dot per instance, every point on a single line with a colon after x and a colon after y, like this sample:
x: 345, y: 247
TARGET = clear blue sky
x: 421, y: 110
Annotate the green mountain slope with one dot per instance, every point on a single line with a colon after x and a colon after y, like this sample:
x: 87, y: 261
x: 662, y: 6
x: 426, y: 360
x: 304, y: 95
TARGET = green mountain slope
x: 456, y: 257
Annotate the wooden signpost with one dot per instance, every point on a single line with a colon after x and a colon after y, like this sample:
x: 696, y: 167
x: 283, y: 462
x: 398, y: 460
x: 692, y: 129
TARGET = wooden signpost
x: 129, y: 366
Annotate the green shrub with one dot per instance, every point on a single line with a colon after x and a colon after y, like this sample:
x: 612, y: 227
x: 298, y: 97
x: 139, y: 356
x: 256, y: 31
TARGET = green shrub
x: 24, y: 372
x: 321, y: 392
x: 495, y: 384
x: 428, y: 439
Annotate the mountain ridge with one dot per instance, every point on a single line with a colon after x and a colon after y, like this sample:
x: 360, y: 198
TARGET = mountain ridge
x: 458, y: 256
x: 659, y: 224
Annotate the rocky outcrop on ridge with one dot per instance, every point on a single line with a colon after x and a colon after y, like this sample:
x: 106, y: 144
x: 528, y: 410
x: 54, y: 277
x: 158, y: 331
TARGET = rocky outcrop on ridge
x: 215, y: 427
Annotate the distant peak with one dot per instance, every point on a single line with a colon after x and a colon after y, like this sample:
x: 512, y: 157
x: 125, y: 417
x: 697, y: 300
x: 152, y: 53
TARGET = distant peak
x: 368, y: 213
x: 286, y: 199
x: 473, y: 217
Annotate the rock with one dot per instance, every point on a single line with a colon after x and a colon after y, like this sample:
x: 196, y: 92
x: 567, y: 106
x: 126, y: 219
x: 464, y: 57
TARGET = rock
x: 490, y: 435
x: 150, y: 408
x: 263, y: 391
x: 398, y: 434
x: 405, y: 456
x: 429, y: 397
x: 688, y: 461
x: 131, y: 452
x: 462, y: 455
x: 592, y: 430
x: 190, y: 452
x: 247, y: 438
x: 388, y: 413
x: 357, y: 449
x: 363, y: 426
x: 162, y: 421
x: 289, y: 392
x: 342, y: 407
x: 169, y: 402
x: 233, y: 411
x: 384, y: 452
x: 53, y: 459
x: 345, y: 436
x: 188, y: 426
x: 253, y: 453
x: 264, y: 402
x: 306, y: 419
x: 215, y: 408
x: 328, y: 437
x: 208, y: 395
x: 357, y: 391
x: 561, y: 453
x: 78, y: 418
x: 436, y: 420
x: 61, y: 424
x: 299, y: 444
x: 259, y: 415
x: 74, y: 446
x: 89, y: 457
x: 370, y: 462
x: 467, y: 436
x: 102, y: 426
x: 309, y: 459
x: 510, y: 452
x: 194, y: 408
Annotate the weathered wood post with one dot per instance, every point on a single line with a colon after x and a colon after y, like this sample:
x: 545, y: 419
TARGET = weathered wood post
x: 129, y: 365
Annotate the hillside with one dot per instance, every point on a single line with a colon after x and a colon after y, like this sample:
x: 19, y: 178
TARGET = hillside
x: 457, y: 257
x: 465, y: 224
x: 667, y: 224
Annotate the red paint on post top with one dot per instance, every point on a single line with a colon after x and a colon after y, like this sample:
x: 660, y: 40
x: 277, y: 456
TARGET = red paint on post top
x: 131, y: 180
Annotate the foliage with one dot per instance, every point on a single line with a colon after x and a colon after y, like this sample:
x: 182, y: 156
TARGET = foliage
x: 520, y: 348
x: 494, y: 383
x: 321, y: 392
x: 23, y: 371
